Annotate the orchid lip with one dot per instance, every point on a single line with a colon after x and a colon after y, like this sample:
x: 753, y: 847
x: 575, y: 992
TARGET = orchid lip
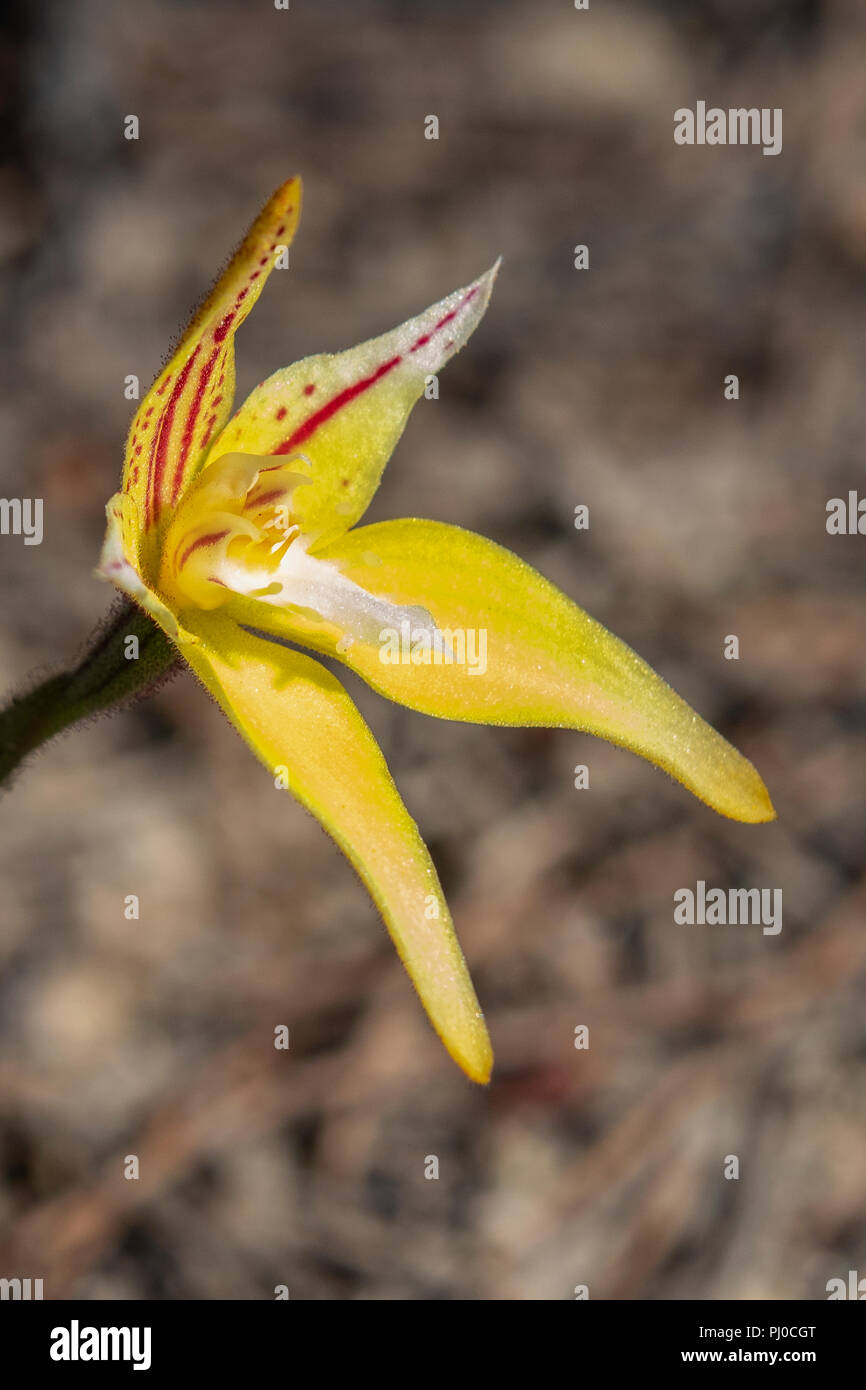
x: 236, y: 534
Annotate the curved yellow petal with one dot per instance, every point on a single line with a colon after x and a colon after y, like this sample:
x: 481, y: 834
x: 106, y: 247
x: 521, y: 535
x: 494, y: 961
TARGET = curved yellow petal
x: 546, y: 662
x: 191, y: 398
x: 296, y: 716
x: 346, y: 412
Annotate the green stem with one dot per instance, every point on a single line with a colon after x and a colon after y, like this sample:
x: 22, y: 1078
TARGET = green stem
x: 111, y: 672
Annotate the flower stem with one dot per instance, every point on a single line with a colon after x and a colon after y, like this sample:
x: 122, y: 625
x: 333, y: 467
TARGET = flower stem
x: 112, y: 671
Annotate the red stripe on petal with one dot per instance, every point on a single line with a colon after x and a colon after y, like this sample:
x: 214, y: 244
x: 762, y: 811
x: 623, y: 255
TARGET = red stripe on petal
x: 446, y: 318
x: 221, y: 331
x: 336, y: 403
x: 192, y: 416
x: 198, y: 544
x: 267, y: 497
x: 160, y: 454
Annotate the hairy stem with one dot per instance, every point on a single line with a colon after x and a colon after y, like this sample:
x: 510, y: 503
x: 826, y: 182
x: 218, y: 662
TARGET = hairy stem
x: 112, y: 671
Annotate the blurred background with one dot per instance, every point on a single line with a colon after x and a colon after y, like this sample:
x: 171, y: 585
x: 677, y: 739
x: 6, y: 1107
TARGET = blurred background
x: 602, y: 1167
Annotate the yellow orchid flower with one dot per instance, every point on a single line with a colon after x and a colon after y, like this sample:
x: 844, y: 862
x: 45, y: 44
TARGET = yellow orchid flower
x: 233, y: 532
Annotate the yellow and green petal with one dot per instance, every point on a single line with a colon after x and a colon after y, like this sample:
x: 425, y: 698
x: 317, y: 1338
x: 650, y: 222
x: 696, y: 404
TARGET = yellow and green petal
x: 545, y: 661
x: 191, y: 398
x: 303, y: 726
x: 345, y: 412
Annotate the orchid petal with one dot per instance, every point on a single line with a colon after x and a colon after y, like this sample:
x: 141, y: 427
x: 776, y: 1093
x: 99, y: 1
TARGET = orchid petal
x: 119, y: 543
x: 191, y: 398
x: 295, y: 715
x: 347, y: 411
x: 546, y: 662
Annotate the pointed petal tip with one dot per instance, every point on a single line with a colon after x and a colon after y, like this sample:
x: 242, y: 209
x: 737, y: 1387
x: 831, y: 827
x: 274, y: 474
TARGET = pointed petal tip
x: 476, y: 1061
x: 475, y: 295
x: 488, y: 279
x: 293, y: 185
x: 759, y: 810
x: 285, y: 202
x: 467, y: 1043
x: 744, y: 798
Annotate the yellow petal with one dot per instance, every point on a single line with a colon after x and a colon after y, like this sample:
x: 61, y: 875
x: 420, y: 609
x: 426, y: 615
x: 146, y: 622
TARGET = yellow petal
x: 191, y: 398
x: 295, y: 715
x: 114, y: 565
x: 345, y: 412
x: 546, y: 662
